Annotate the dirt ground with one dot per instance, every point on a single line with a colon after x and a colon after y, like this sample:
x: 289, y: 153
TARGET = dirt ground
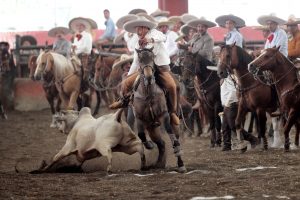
x: 26, y: 139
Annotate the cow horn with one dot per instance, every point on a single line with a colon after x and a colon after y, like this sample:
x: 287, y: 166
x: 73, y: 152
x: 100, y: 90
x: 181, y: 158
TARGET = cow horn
x: 119, y: 115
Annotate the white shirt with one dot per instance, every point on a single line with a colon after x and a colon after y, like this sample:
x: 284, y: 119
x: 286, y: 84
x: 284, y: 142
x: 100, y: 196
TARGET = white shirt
x: 170, y: 43
x: 234, y: 36
x: 131, y: 39
x: 280, y: 38
x: 228, y: 92
x: 84, y: 44
x: 161, y: 56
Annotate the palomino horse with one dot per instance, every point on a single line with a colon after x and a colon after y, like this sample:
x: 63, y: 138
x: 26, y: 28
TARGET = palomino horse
x: 65, y: 73
x: 150, y: 108
x: 253, y: 95
x: 207, y: 85
x: 287, y: 86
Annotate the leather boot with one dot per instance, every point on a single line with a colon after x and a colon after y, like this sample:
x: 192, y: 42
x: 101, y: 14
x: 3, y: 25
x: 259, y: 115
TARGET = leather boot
x: 120, y: 103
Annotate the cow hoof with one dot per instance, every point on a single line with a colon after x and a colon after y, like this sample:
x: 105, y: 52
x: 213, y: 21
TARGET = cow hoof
x: 243, y: 150
x: 182, y: 169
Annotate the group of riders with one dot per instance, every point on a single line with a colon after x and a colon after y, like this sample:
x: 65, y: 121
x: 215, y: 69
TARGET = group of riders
x: 168, y: 36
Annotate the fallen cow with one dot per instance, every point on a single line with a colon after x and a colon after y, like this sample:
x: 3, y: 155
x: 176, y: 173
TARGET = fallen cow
x: 89, y: 138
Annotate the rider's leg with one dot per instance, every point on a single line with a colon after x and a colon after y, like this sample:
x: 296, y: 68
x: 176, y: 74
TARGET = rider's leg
x: 126, y: 88
x: 170, y: 85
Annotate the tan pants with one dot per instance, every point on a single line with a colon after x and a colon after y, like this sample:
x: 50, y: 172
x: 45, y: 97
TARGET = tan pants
x: 84, y: 58
x: 165, y: 78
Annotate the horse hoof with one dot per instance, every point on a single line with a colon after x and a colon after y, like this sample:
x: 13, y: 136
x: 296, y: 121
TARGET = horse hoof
x: 148, y: 145
x: 182, y: 169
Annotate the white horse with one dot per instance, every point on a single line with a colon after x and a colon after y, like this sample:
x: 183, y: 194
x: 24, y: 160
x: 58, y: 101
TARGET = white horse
x: 65, y: 73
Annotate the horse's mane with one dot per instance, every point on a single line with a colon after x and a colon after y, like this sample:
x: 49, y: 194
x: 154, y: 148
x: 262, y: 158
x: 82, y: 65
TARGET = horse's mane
x: 62, y: 64
x: 243, y: 56
x: 203, y: 61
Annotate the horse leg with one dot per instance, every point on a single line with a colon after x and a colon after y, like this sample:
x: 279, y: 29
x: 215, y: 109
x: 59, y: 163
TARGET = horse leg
x: 2, y: 112
x: 154, y: 134
x: 287, y: 127
x: 217, y: 110
x: 297, y: 125
x: 142, y: 135
x: 73, y: 99
x: 175, y: 143
x: 198, y: 122
x: 277, y: 143
x: 239, y: 118
x: 213, y: 136
x: 98, y: 101
x: 130, y: 117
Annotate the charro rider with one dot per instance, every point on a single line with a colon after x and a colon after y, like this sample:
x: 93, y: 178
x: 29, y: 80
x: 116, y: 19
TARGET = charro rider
x: 294, y: 38
x: 82, y: 44
x: 150, y: 37
x: 60, y: 45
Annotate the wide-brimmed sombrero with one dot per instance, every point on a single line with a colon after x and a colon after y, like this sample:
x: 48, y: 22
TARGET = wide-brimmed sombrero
x: 262, y: 20
x: 164, y: 22
x: 239, y: 22
x: 185, y: 29
x: 93, y: 23
x: 123, y: 59
x: 29, y: 39
x: 175, y: 19
x: 292, y: 21
x: 79, y: 20
x: 185, y: 18
x: 261, y: 28
x: 52, y: 32
x: 159, y: 12
x: 150, y: 18
x: 141, y: 21
x: 120, y: 23
x: 137, y: 10
x: 202, y: 20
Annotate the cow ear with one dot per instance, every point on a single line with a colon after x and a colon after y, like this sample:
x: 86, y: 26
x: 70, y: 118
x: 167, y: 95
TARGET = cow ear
x: 119, y: 115
x: 278, y: 48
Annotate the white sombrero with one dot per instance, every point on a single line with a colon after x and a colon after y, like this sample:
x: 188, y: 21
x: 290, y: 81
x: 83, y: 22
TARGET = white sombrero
x: 261, y: 28
x: 52, y: 32
x: 212, y: 68
x: 123, y: 59
x: 185, y: 18
x: 292, y: 21
x: 79, y: 20
x: 164, y: 22
x: 93, y: 23
x: 185, y: 29
x: 137, y: 11
x: 265, y: 18
x: 159, y: 12
x: 150, y: 18
x: 239, y: 22
x: 202, y: 20
x: 142, y: 21
x: 120, y: 23
x: 119, y: 39
x: 175, y: 19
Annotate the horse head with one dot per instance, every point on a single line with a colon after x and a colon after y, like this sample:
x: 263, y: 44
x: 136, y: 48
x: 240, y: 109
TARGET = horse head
x: 146, y: 60
x: 265, y: 61
x: 188, y: 63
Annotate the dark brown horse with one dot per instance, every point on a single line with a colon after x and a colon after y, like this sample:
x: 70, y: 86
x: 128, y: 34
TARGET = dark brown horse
x: 151, y: 110
x: 208, y: 86
x: 287, y: 86
x: 4, y: 69
x: 254, y: 96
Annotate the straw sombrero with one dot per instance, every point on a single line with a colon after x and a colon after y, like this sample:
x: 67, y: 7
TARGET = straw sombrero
x: 79, y: 20
x: 137, y: 10
x: 261, y: 28
x: 239, y: 22
x: 185, y: 29
x: 141, y: 21
x: 164, y: 22
x: 93, y: 23
x: 185, y: 18
x: 52, y: 32
x: 175, y: 19
x: 150, y: 18
x: 292, y: 21
x: 123, y: 59
x: 159, y: 12
x: 265, y: 18
x: 202, y: 20
x: 120, y: 23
